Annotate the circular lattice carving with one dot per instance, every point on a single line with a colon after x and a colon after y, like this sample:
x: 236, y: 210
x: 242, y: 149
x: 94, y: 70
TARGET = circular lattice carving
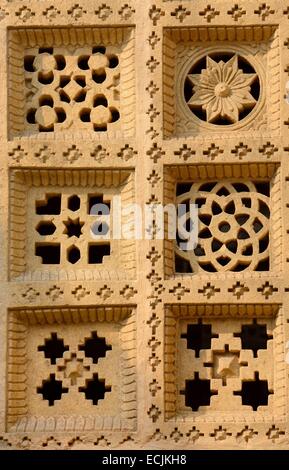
x: 233, y: 226
x: 222, y: 88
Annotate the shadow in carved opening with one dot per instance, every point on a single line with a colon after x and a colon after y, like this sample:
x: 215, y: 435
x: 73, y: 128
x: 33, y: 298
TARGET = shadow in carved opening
x: 95, y: 347
x: 254, y: 337
x: 254, y: 392
x: 198, y: 392
x: 53, y: 348
x: 95, y: 389
x: 51, y: 390
x: 199, y: 336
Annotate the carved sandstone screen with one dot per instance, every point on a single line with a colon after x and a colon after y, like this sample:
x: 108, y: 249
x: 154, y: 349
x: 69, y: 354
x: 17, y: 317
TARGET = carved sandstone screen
x: 134, y: 341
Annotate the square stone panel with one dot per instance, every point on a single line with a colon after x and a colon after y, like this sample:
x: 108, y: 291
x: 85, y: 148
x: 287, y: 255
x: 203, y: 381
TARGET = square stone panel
x: 221, y: 80
x: 54, y: 228
x: 239, y: 219
x: 63, y: 80
x: 71, y: 369
x: 220, y: 368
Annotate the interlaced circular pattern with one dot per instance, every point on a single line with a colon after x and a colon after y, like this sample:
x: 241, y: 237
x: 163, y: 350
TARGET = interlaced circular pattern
x: 233, y: 232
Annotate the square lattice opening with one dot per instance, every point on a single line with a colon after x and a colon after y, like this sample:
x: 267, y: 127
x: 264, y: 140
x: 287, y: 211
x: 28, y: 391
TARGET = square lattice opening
x: 220, y: 368
x: 239, y: 219
x: 66, y: 80
x: 218, y: 80
x: 54, y: 227
x: 68, y: 369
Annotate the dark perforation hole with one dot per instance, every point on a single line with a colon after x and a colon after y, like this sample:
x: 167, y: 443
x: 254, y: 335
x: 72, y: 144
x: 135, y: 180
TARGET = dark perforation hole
x: 114, y: 115
x: 199, y: 66
x: 46, y: 129
x: 223, y: 191
x: 245, y: 65
x: 96, y: 252
x: 242, y: 218
x: 189, y: 225
x: 243, y: 234
x: 83, y: 62
x: 224, y: 227
x: 208, y: 267
x: 60, y: 61
x: 63, y: 96
x: 197, y: 393
x: 199, y: 336
x: 73, y: 228
x: 85, y: 115
x: 257, y: 225
x: 50, y: 206
x: 223, y: 260
x: 51, y: 390
x: 98, y: 49
x: 100, y: 100
x: 95, y: 389
x: 183, y: 188
x: 30, y: 117
x: 263, y: 187
x: 64, y: 80
x: 53, y: 348
x: 253, y: 337
x: 113, y: 61
x: 205, y: 233
x: 241, y: 187
x: 98, y: 77
x: 263, y: 265
x: 199, y: 251
x: 216, y: 209
x: 93, y: 200
x: 232, y: 246
x: 264, y: 244
x: 100, y: 228
x: 200, y: 202
x: 49, y: 252
x: 95, y: 347
x: 73, y: 203
x: 239, y: 267
x: 73, y: 254
x: 98, y: 128
x: 80, y: 97
x: 46, y: 228
x: 248, y: 251
x: 45, y: 78
x: 61, y: 114
x: 46, y: 100
x: 216, y: 245
x: 28, y: 63
x: 246, y: 202
x: 48, y: 50
x: 264, y: 209
x: 254, y: 393
x: 81, y: 81
x: 230, y: 208
x: 206, y: 219
x: 200, y: 113
x: 208, y: 187
x: 182, y: 265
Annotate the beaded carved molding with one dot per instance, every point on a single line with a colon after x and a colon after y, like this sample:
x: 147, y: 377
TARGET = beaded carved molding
x: 137, y: 343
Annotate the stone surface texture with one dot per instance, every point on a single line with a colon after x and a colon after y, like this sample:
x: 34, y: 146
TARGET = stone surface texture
x: 138, y: 344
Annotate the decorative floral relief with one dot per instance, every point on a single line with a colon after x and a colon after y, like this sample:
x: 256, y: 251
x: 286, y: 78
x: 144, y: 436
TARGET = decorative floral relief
x: 222, y: 90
